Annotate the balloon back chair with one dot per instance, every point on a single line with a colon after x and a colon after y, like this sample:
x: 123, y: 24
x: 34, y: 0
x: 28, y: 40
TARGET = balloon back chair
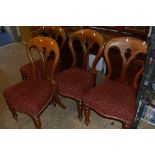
x: 55, y: 32
x: 115, y: 98
x: 33, y: 95
x: 76, y: 81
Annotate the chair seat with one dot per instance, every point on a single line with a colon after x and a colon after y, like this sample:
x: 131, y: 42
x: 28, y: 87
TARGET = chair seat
x: 74, y: 82
x: 27, y: 70
x: 113, y: 100
x: 30, y: 96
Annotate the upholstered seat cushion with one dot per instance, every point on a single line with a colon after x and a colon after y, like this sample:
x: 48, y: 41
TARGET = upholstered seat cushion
x: 74, y: 82
x: 112, y: 99
x: 27, y: 70
x: 30, y: 96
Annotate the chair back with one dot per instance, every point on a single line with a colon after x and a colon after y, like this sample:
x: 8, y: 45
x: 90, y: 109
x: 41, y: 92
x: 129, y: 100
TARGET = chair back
x: 55, y: 32
x: 125, y: 57
x: 46, y: 47
x: 88, y: 39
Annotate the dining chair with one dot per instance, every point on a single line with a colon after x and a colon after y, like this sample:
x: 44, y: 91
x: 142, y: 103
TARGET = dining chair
x: 33, y: 95
x: 55, y: 32
x: 115, y: 98
x: 76, y: 81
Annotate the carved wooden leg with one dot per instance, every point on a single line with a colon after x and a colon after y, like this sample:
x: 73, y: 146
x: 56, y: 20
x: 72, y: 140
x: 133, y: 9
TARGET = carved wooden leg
x: 57, y: 100
x: 80, y: 110
x: 37, y: 122
x: 14, y: 114
x: 23, y: 77
x: 53, y: 101
x: 87, y: 115
x: 126, y: 126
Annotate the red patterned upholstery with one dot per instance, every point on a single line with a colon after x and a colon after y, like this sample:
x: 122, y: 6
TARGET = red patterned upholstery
x: 30, y: 96
x: 74, y: 82
x: 112, y: 99
x: 27, y: 70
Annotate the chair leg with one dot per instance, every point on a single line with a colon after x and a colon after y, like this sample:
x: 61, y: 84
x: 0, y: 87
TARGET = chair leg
x: 23, y: 77
x: 80, y: 110
x: 37, y: 122
x: 57, y: 101
x: 126, y: 126
x: 87, y: 114
x: 53, y: 101
x: 14, y: 114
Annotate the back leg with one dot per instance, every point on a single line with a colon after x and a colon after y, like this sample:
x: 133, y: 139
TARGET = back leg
x: 23, y: 77
x: 14, y: 114
x: 57, y: 100
x: 53, y: 101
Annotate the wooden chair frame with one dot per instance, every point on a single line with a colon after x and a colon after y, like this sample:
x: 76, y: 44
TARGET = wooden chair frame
x: 91, y: 37
x: 136, y: 46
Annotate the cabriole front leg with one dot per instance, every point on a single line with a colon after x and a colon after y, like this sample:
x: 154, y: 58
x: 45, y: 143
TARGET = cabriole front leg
x: 87, y: 115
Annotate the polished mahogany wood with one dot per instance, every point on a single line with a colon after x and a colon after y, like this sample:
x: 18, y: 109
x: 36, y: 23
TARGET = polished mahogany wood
x: 126, y: 126
x: 87, y: 114
x: 55, y: 32
x: 124, y: 44
x: 129, y: 49
x: 37, y: 122
x: 13, y: 111
x: 80, y: 110
x: 43, y: 45
x: 87, y: 38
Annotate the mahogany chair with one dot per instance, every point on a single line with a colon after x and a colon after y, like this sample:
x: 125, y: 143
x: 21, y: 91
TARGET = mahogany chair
x: 33, y: 95
x: 55, y: 32
x: 115, y: 98
x: 76, y: 81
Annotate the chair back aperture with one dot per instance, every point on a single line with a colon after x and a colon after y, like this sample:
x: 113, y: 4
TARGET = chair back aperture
x: 88, y: 39
x: 130, y: 53
x: 46, y: 47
